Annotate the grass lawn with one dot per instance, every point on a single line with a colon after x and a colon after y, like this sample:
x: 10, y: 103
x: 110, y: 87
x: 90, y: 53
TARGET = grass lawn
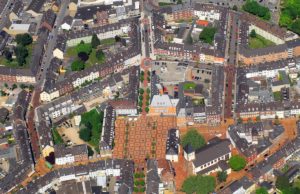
x: 72, y: 53
x: 297, y: 183
x: 259, y: 42
x: 93, y: 60
x: 14, y: 63
x: 161, y: 4
x: 108, y: 42
x: 188, y: 86
x: 56, y: 137
x: 277, y: 96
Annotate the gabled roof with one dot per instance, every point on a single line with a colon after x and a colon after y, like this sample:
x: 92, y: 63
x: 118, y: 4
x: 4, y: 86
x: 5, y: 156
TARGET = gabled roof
x: 211, y: 152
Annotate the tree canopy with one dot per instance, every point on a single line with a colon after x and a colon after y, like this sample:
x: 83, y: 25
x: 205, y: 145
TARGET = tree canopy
x: 207, y: 35
x: 77, y: 65
x: 100, y: 55
x: 193, y: 138
x: 253, y: 34
x: 84, y: 47
x: 261, y: 190
x: 222, y: 176
x: 91, y: 127
x: 199, y: 184
x: 23, y: 39
x: 290, y: 15
x: 95, y: 41
x: 21, y: 54
x: 255, y: 8
x: 237, y: 163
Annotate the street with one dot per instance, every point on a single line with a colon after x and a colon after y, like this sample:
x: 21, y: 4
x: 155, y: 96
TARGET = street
x: 50, y: 45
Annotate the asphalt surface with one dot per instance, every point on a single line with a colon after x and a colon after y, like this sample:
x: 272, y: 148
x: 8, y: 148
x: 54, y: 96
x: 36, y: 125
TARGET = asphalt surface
x: 51, y: 44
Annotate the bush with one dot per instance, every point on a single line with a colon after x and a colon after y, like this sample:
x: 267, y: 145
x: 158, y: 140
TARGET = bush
x: 207, y: 35
x: 77, y: 65
x: 237, y: 163
x: 255, y: 8
x: 193, y: 138
x: 23, y: 39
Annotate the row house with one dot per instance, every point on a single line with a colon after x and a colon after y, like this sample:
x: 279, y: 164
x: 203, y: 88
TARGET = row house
x: 103, y: 32
x: 268, y: 110
x: 68, y: 155
x: 207, y: 12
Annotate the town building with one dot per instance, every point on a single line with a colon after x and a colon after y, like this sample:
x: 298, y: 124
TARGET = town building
x: 68, y: 155
x: 215, y: 151
x: 172, y: 146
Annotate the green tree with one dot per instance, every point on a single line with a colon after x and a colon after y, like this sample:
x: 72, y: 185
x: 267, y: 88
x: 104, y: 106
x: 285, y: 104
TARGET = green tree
x: 14, y: 86
x: 23, y: 39
x: 295, y: 27
x: 257, y: 118
x: 237, y: 163
x: 235, y: 8
x: 100, y: 55
x: 77, y: 65
x: 193, y: 138
x: 199, y: 184
x: 147, y: 109
x: 240, y: 120
x: 207, y: 35
x: 84, y: 48
x: 251, y: 6
x: 85, y: 134
x: 6, y: 85
x: 22, y: 86
x: 90, y: 151
x: 261, y: 190
x: 189, y: 39
x: 21, y: 54
x: 95, y: 41
x: 282, y: 183
x: 31, y: 88
x: 253, y: 34
x: 7, y: 54
x: 222, y: 176
x: 141, y: 91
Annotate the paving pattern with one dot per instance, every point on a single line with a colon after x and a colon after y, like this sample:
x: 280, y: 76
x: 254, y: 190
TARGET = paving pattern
x: 142, y: 137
